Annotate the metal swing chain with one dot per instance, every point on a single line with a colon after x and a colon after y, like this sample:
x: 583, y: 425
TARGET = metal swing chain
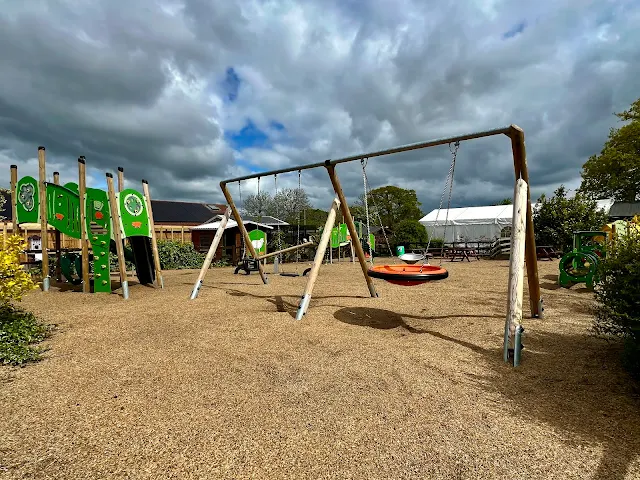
x: 244, y: 244
x: 448, y: 183
x: 375, y: 207
x: 279, y: 240
x: 363, y: 162
x: 297, y: 200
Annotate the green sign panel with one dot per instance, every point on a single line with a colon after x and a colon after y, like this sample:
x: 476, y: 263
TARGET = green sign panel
x: 343, y: 232
x: 63, y: 209
x: 28, y: 202
x: 372, y: 241
x: 259, y: 241
x: 335, y: 237
x: 134, y: 215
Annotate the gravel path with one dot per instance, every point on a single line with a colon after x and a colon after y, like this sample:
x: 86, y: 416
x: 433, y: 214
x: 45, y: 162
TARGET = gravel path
x: 408, y: 385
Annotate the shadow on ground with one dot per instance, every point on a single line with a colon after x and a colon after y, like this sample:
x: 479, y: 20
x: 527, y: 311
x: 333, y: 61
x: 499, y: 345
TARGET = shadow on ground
x: 571, y: 383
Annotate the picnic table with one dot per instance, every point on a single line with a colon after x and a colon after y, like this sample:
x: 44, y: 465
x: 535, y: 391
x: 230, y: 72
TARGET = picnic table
x: 546, y: 252
x: 464, y: 253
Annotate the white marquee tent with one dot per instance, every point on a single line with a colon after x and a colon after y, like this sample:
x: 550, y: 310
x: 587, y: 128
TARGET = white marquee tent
x: 477, y: 224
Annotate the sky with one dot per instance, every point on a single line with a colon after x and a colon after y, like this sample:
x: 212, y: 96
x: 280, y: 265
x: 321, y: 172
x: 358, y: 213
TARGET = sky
x: 187, y: 93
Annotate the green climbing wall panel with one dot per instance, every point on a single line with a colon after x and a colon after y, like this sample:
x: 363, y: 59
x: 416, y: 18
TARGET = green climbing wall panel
x: 63, y: 210
x: 134, y: 216
x: 28, y: 200
x: 73, y: 187
x: 98, y: 221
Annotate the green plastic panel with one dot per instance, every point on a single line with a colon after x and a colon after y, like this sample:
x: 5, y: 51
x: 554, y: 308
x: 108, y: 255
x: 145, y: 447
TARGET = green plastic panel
x: 344, y: 231
x: 259, y: 241
x: 28, y: 201
x: 134, y: 214
x: 335, y: 237
x: 98, y: 221
x: 73, y: 187
x: 63, y: 210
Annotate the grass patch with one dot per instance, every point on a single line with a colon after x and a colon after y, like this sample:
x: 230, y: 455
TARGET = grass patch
x: 20, y: 332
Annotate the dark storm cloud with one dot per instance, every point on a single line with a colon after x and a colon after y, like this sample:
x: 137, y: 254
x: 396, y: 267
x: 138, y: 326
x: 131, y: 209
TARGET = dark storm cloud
x: 141, y: 84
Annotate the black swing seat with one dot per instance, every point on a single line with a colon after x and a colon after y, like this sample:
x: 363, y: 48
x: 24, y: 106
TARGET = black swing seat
x: 247, y: 265
x: 294, y: 274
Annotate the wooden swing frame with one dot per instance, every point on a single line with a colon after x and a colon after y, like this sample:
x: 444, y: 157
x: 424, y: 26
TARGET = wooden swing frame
x: 515, y: 134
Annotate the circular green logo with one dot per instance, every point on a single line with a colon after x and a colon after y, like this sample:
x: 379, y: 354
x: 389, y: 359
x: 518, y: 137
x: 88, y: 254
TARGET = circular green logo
x: 133, y: 205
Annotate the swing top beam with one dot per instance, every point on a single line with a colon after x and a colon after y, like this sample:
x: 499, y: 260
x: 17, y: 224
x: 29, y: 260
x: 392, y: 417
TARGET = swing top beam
x: 403, y: 148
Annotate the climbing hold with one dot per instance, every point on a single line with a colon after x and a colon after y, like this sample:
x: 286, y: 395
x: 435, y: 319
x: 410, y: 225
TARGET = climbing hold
x: 104, y: 282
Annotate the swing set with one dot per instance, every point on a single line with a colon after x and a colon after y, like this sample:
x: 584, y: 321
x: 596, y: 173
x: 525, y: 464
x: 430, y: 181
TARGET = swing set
x: 410, y: 274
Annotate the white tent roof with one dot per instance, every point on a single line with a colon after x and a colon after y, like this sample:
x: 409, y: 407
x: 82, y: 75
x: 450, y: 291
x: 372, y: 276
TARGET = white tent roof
x: 230, y: 224
x: 470, y: 215
x: 477, y: 223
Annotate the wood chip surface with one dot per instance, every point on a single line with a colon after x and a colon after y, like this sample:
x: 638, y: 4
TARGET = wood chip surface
x: 410, y: 385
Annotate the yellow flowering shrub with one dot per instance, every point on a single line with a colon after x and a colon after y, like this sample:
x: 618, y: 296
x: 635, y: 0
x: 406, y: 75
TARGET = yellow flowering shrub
x: 14, y: 280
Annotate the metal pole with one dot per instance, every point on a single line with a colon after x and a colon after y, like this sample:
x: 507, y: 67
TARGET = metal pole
x: 284, y: 250
x: 243, y: 230
x: 352, y: 229
x: 402, y: 148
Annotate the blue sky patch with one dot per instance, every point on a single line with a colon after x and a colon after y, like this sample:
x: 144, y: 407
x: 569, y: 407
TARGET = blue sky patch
x: 276, y: 126
x: 249, y: 136
x: 517, y: 29
x: 231, y: 85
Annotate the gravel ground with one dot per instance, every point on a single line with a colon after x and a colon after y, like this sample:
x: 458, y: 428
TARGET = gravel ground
x: 408, y: 385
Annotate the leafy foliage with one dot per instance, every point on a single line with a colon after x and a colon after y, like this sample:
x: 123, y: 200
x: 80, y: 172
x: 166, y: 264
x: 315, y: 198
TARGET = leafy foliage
x: 285, y: 205
x: 409, y: 232
x: 393, y: 204
x: 558, y: 217
x: 176, y: 255
x: 505, y: 201
x: 615, y: 172
x: 618, y: 295
x: 14, y: 280
x: 3, y: 200
x: 315, y: 217
x: 20, y: 331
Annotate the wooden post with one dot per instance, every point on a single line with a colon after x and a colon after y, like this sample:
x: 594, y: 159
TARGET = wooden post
x: 520, y: 164
x: 120, y: 179
x: 14, y: 200
x: 58, y: 238
x: 284, y: 250
x: 516, y: 268
x: 154, y: 241
x: 4, y: 235
x: 325, y: 239
x: 117, y: 233
x: 44, y: 234
x: 352, y: 228
x: 182, y: 234
x: 84, y: 245
x: 243, y: 231
x: 211, y: 253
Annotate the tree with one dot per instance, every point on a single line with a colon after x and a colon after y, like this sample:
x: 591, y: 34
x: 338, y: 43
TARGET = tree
x: 257, y: 204
x: 316, y: 217
x: 393, y: 204
x: 410, y: 232
x: 289, y: 203
x: 3, y: 200
x: 505, y: 201
x: 615, y: 172
x: 558, y: 217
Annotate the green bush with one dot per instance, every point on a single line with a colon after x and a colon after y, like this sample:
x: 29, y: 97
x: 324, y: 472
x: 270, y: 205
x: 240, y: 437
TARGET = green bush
x: 437, y: 243
x: 617, y: 293
x: 177, y: 255
x: 408, y: 232
x: 20, y: 331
